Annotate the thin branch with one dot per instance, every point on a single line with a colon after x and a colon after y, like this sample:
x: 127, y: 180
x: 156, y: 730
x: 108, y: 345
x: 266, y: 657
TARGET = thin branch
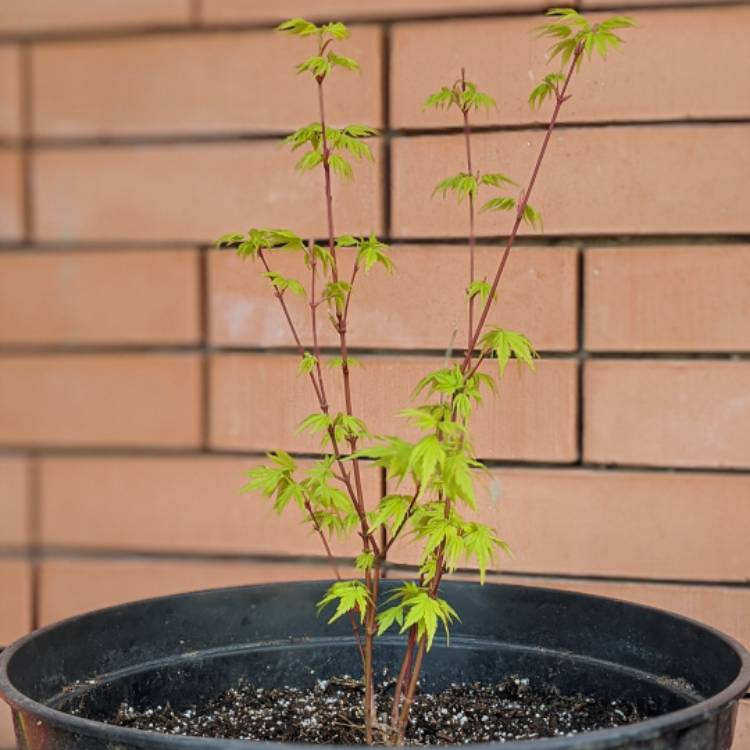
x: 561, y: 98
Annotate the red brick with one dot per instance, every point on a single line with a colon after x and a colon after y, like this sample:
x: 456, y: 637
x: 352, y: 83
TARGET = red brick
x: 51, y: 15
x: 196, y: 84
x: 15, y: 584
x: 258, y: 401
x: 190, y: 192
x: 661, y: 413
x: 742, y: 731
x: 593, y: 4
x: 620, y: 524
x: 634, y: 180
x: 172, y: 504
x: 10, y: 92
x: 86, y: 297
x: 11, y: 200
x: 14, y: 501
x: 419, y: 307
x: 228, y: 11
x: 692, y: 298
x: 109, y: 399
x: 70, y: 587
x: 505, y: 59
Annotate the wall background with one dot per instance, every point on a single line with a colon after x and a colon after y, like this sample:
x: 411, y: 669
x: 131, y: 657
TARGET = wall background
x: 138, y: 372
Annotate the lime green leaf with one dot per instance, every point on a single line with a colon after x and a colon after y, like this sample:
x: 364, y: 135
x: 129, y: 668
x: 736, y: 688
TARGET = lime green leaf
x: 298, y: 27
x: 317, y: 65
x: 349, y: 596
x: 502, y: 203
x: 339, y: 362
x: 310, y: 160
x: 342, y: 62
x: 481, y: 289
x: 532, y: 217
x: 391, y: 512
x: 505, y: 344
x: 231, y: 238
x: 307, y: 364
x: 340, y: 166
x: 337, y: 30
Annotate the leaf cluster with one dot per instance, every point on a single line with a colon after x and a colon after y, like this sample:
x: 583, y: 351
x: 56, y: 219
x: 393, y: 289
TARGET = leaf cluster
x: 413, y: 605
x: 505, y: 345
x: 348, y: 140
x: 576, y: 35
x: 462, y: 94
x: 348, y: 596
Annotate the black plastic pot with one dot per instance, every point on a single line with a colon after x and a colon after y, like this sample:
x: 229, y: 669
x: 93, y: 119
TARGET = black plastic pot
x: 189, y: 647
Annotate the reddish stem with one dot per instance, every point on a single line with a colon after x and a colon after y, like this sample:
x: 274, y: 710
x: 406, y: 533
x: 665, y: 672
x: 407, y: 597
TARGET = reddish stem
x: 560, y: 99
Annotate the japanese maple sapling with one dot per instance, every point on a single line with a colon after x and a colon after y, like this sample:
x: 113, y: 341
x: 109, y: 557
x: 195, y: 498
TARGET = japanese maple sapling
x: 434, y: 474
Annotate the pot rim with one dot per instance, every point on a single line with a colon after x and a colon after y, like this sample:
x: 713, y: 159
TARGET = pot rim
x: 600, y: 738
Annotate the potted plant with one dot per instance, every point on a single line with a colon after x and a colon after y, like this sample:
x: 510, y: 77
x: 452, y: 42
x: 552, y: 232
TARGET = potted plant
x: 523, y: 663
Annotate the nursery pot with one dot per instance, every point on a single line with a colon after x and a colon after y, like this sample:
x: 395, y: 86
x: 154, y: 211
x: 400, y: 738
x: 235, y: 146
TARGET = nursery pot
x: 191, y: 647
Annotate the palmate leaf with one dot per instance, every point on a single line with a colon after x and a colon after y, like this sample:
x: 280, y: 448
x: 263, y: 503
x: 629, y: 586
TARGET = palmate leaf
x: 307, y: 363
x: 504, y: 345
x: 391, y: 512
x: 392, y: 453
x: 372, y: 252
x: 501, y: 203
x: 309, y: 161
x: 276, y: 480
x: 532, y: 217
x: 250, y: 244
x: 340, y: 166
x: 281, y: 283
x: 547, y: 88
x: 480, y: 545
x: 298, y: 27
x: 495, y: 179
x: 462, y: 184
x: 335, y: 362
x: 463, y: 95
x: 419, y: 609
x: 427, y: 459
x: 336, y: 29
x: 317, y: 65
x: 481, y: 289
x: 342, y: 62
x: 577, y: 35
x: 364, y: 561
x: 349, y: 596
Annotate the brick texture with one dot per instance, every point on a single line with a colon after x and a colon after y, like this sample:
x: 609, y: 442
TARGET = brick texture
x: 69, y: 587
x: 119, y: 400
x: 14, y: 501
x: 10, y: 92
x: 11, y: 201
x: 15, y: 585
x: 223, y: 11
x: 193, y: 192
x: 419, y: 307
x: 50, y: 15
x: 429, y: 55
x: 196, y: 84
x: 707, y: 288
x: 742, y: 732
x: 684, y: 180
x: 626, y: 525
x: 660, y: 413
x: 258, y: 401
x: 100, y: 297
x: 176, y: 504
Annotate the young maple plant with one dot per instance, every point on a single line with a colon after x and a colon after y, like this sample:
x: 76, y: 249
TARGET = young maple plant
x: 434, y: 475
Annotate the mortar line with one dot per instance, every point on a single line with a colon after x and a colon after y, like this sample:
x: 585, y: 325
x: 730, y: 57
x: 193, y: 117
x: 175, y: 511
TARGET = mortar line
x: 60, y: 36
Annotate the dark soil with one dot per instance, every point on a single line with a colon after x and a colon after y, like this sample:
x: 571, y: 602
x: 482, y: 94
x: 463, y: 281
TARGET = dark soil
x: 331, y: 713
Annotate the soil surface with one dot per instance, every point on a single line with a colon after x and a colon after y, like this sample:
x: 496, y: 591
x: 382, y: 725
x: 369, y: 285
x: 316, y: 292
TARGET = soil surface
x: 331, y: 713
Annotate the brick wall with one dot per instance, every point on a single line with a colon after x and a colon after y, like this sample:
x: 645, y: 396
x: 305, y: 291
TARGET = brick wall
x: 140, y: 371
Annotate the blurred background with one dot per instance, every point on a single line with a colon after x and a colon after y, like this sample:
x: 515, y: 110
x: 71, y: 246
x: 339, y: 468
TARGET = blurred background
x: 142, y: 371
